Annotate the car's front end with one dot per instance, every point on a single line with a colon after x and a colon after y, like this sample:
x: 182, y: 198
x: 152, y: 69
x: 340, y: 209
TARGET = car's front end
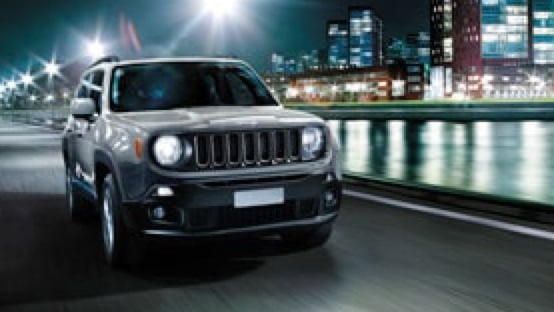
x: 201, y: 149
x: 247, y: 179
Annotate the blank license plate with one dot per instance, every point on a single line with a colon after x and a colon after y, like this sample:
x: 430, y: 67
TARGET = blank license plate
x: 255, y: 198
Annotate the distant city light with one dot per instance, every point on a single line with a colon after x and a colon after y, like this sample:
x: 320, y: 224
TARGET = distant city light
x: 292, y: 93
x: 459, y: 96
x: 535, y: 79
x: 488, y: 78
x: 96, y: 49
x: 11, y: 85
x: 27, y: 79
x: 221, y: 7
x: 52, y: 69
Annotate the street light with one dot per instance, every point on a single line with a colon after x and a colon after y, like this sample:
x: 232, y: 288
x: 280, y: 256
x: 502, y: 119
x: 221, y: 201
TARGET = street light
x: 95, y: 49
x: 27, y: 79
x: 52, y: 69
x: 11, y: 85
x: 220, y: 7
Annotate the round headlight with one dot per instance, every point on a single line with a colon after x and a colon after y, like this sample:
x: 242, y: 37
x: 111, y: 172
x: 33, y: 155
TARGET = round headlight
x: 168, y: 150
x: 312, y: 143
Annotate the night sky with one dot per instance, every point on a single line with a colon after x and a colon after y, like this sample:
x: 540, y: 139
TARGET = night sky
x: 176, y: 27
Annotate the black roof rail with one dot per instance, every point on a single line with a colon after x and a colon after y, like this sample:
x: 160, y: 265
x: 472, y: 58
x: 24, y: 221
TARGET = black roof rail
x: 106, y: 59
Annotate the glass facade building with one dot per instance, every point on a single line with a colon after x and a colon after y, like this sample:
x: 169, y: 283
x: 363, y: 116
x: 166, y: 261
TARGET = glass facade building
x: 441, y: 32
x: 543, y: 31
x: 505, y: 29
x: 277, y: 63
x: 366, y: 37
x: 418, y: 48
x: 337, y: 41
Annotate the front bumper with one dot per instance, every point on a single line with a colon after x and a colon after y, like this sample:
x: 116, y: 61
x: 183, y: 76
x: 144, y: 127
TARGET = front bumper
x: 206, y: 209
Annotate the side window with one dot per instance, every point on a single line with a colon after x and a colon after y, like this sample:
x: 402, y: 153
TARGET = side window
x: 96, y: 87
x: 83, y: 91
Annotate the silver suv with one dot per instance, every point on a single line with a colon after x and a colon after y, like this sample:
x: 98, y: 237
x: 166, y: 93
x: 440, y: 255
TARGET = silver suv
x: 195, y: 148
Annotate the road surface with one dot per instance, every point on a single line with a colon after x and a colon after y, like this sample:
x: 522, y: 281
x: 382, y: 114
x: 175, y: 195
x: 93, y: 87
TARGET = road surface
x: 380, y: 258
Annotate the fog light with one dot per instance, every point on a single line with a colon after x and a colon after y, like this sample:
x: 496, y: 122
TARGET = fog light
x: 164, y: 191
x: 330, y: 199
x: 159, y: 213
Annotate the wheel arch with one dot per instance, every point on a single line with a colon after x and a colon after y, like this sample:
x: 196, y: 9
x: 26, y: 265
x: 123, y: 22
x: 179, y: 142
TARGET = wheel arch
x: 103, y: 166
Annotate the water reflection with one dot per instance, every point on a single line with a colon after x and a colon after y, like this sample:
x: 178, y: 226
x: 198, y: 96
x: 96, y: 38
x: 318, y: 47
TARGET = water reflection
x: 504, y: 158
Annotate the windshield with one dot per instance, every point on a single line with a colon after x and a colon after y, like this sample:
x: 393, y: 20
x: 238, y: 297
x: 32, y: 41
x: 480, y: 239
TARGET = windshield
x: 164, y: 86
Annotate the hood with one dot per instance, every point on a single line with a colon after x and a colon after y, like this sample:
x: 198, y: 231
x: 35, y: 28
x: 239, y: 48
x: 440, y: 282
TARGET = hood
x: 217, y: 118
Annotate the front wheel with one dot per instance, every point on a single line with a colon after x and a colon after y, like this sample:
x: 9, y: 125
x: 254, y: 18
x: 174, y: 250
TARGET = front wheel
x: 308, y: 238
x: 121, y: 248
x: 79, y: 209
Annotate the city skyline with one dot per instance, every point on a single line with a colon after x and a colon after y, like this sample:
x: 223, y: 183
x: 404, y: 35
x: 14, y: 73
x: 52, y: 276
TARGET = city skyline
x: 268, y: 24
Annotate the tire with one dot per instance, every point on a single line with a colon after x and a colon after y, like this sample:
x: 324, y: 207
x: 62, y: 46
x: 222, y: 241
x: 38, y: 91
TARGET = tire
x: 122, y: 249
x: 79, y: 209
x: 308, y: 238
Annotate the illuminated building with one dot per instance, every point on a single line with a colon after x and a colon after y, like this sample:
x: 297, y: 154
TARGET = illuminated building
x: 543, y: 31
x: 277, y: 63
x: 418, y: 48
x: 442, y: 50
x: 398, y: 81
x: 337, y: 43
x: 396, y: 49
x: 365, y: 37
x: 492, y: 48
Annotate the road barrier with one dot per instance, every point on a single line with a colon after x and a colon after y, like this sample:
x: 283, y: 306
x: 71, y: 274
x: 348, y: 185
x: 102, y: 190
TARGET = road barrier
x: 55, y: 118
x: 466, y: 111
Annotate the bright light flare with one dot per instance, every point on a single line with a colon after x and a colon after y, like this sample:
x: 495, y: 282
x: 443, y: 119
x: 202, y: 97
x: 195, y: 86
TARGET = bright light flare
x: 96, y: 49
x: 11, y: 85
x: 221, y: 8
x: 27, y: 79
x: 52, y: 69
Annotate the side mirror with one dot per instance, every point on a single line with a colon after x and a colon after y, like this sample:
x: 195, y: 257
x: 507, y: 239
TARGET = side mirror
x: 83, y: 108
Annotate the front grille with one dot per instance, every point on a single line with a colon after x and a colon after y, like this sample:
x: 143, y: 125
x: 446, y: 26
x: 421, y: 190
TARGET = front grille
x: 243, y: 149
x: 221, y: 218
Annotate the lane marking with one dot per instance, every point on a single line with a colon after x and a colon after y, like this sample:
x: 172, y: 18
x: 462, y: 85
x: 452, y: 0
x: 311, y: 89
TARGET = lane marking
x: 505, y: 226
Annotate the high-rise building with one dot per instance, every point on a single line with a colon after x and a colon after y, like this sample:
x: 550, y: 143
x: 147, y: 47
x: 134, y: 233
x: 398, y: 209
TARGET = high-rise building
x: 365, y: 38
x: 396, y: 49
x: 492, y: 48
x: 314, y: 60
x: 337, y: 43
x: 291, y: 66
x: 442, y: 47
x: 543, y: 31
x: 277, y: 63
x: 505, y: 28
x: 418, y: 48
x: 441, y: 32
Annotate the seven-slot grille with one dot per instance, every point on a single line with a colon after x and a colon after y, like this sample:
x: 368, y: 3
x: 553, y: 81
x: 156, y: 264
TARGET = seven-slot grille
x: 243, y: 149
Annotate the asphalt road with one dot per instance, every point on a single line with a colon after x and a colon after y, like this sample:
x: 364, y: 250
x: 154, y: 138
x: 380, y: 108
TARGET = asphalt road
x: 381, y: 258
